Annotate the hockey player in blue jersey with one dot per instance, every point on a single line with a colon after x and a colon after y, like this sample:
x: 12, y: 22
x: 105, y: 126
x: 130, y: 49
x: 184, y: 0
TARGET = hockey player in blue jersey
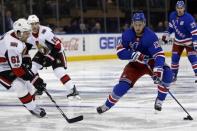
x: 141, y: 48
x: 185, y: 29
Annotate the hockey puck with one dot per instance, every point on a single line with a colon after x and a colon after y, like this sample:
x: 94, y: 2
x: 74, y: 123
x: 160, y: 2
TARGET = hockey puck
x: 188, y: 118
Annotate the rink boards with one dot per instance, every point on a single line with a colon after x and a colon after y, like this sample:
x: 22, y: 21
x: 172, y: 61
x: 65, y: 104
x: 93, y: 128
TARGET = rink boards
x: 98, y: 46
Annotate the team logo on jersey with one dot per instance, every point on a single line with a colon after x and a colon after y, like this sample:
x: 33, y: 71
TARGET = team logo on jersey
x: 182, y: 22
x: 156, y: 44
x: 134, y: 45
x: 193, y: 25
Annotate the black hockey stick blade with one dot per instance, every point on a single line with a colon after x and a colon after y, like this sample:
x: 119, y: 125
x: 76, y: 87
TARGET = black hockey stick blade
x: 75, y: 119
x: 188, y: 118
x: 71, y: 120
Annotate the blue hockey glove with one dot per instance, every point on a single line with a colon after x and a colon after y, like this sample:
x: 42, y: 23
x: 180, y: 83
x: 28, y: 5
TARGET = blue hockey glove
x: 157, y: 75
x: 139, y: 57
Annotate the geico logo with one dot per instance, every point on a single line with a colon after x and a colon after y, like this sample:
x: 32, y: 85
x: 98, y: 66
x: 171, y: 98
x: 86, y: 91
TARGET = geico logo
x: 109, y: 42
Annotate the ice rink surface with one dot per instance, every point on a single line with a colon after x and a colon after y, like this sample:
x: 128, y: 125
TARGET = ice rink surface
x: 95, y: 80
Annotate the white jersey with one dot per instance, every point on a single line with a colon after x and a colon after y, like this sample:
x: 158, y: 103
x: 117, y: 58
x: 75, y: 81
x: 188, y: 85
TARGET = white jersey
x: 11, y: 51
x: 44, y: 39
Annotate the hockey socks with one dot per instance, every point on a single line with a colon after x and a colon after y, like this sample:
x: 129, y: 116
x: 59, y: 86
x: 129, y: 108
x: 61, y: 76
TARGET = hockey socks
x: 162, y: 92
x: 175, y: 64
x: 193, y: 60
x: 119, y: 90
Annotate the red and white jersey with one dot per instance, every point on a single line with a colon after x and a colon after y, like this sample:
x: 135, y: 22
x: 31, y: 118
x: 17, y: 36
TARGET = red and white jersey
x: 46, y: 39
x: 11, y: 51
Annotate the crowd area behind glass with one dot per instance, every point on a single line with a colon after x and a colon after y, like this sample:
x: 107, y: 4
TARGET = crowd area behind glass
x: 90, y: 16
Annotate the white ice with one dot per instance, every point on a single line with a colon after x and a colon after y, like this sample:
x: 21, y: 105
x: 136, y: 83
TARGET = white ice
x: 95, y: 80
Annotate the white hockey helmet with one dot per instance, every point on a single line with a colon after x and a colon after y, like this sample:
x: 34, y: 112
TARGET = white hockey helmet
x: 33, y: 19
x: 21, y: 25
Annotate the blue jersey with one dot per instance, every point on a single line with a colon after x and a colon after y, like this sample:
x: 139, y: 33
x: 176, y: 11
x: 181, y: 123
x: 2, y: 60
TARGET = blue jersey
x: 184, y: 27
x: 147, y: 44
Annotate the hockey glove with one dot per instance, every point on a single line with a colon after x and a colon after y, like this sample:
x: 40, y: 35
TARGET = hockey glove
x: 165, y: 38
x: 195, y: 45
x: 27, y: 62
x: 139, y: 57
x: 157, y: 75
x: 48, y: 60
x: 38, y: 83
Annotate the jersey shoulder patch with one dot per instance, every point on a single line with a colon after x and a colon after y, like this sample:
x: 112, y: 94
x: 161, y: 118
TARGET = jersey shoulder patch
x: 193, y: 25
x: 13, y: 44
x: 43, y: 31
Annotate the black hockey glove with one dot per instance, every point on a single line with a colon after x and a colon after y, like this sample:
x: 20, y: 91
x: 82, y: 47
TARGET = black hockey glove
x: 165, y: 37
x: 38, y: 83
x: 27, y: 62
x: 48, y: 60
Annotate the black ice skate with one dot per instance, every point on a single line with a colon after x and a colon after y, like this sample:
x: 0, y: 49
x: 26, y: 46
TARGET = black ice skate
x: 158, y: 104
x: 38, y: 112
x: 73, y: 93
x: 102, y: 109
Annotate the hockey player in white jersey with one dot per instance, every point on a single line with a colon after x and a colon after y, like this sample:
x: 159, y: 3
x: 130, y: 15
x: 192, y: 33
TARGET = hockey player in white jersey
x: 12, y: 71
x: 50, y: 53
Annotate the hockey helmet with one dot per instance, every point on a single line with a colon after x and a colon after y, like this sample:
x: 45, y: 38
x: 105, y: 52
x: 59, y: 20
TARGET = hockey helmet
x: 138, y: 16
x: 33, y: 19
x: 21, y: 25
x: 180, y: 4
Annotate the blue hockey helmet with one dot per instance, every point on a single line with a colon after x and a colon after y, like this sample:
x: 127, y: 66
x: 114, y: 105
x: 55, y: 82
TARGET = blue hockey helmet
x: 180, y: 4
x: 138, y: 16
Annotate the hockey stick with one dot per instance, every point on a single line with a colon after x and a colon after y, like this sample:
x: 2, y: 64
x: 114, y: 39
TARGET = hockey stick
x: 71, y: 120
x: 189, y: 117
